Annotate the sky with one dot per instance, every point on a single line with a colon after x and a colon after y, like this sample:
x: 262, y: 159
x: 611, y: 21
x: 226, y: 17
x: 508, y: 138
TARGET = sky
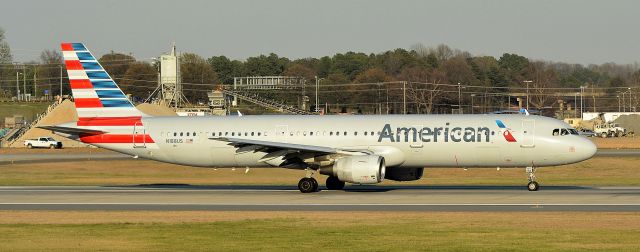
x: 572, y: 31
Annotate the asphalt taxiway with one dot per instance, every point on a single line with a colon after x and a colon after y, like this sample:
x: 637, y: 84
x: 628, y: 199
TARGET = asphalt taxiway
x: 288, y: 198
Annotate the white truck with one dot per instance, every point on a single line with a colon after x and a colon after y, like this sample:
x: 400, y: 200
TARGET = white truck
x: 609, y: 130
x: 43, y: 142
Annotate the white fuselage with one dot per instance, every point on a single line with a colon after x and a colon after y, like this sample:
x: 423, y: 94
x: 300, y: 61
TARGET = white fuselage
x: 409, y: 141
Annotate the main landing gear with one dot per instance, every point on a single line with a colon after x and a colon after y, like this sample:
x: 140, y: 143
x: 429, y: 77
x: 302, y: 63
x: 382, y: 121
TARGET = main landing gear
x: 533, y: 185
x: 308, y: 184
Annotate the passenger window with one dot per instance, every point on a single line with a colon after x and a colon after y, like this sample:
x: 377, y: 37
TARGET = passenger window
x: 175, y: 134
x: 310, y: 133
x: 252, y: 133
x: 365, y: 133
x: 180, y: 133
x: 355, y: 133
x: 331, y: 133
x: 194, y: 134
x: 345, y: 133
x: 258, y: 133
x: 564, y: 132
x: 372, y: 133
x: 556, y: 132
x: 233, y: 134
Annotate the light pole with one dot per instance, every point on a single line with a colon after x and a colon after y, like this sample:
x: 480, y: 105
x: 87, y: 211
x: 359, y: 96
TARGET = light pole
x: 527, y: 81
x: 624, y: 106
x: 575, y: 105
x: 24, y: 82
x: 629, y: 99
x: 472, y: 96
x: 459, y: 98
x: 18, y: 85
x: 618, y: 96
x: 581, y: 100
x: 317, y: 84
x: 60, y: 82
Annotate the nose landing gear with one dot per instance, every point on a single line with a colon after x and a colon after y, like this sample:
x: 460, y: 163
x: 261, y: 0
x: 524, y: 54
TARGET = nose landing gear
x: 533, y: 185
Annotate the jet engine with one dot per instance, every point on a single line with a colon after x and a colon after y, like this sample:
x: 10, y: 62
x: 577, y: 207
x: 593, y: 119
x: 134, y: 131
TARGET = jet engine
x: 404, y: 174
x: 368, y: 169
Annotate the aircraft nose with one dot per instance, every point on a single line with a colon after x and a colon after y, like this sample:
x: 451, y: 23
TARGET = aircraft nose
x: 586, y: 148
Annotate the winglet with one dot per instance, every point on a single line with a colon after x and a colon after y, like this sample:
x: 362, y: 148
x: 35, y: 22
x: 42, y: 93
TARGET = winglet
x: 524, y: 111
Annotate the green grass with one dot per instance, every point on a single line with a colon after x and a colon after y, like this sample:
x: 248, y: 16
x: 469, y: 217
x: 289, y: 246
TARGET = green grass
x: 598, y: 171
x: 28, y: 109
x: 468, y: 232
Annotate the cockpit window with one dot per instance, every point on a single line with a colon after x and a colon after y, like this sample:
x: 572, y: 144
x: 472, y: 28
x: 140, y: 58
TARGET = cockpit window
x: 565, y: 132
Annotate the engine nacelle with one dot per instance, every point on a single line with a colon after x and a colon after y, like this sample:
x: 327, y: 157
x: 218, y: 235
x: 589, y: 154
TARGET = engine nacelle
x: 404, y: 174
x: 368, y: 169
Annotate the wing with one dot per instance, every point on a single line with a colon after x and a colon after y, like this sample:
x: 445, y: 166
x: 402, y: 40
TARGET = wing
x: 70, y: 130
x: 286, y: 154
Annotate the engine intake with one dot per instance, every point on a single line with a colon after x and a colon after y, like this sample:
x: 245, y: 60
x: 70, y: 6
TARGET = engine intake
x: 404, y: 174
x: 369, y: 169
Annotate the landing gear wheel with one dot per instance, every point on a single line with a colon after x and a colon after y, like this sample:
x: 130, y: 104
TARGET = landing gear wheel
x: 333, y: 183
x: 308, y: 185
x: 533, y: 185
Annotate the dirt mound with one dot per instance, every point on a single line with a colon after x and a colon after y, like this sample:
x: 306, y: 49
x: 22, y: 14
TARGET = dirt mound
x: 629, y: 122
x: 156, y: 110
x: 64, y: 112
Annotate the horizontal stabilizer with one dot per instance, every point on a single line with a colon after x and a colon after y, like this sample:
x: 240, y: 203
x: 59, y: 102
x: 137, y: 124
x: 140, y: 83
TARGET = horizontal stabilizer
x: 71, y: 130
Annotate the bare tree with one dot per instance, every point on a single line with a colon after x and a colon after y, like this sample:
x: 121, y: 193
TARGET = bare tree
x: 423, y: 88
x: 543, y: 78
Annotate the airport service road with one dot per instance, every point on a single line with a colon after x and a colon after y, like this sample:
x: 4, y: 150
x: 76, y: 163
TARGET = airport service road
x: 26, y: 157
x: 287, y: 198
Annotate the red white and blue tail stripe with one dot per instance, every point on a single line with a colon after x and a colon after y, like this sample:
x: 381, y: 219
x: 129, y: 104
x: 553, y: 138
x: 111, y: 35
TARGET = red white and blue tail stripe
x: 95, y: 93
x: 100, y: 103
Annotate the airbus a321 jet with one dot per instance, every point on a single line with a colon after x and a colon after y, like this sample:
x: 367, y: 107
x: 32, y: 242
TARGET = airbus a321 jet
x: 359, y: 149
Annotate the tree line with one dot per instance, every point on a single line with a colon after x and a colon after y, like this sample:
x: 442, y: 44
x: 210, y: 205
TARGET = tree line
x: 430, y: 77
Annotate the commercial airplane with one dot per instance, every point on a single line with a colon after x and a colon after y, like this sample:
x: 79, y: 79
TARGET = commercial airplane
x: 359, y: 149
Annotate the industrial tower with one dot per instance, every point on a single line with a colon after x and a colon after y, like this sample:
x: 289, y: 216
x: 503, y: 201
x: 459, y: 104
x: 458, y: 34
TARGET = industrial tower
x: 169, y: 90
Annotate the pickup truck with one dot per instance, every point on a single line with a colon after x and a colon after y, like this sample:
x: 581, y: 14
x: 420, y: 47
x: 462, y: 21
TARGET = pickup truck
x: 43, y: 142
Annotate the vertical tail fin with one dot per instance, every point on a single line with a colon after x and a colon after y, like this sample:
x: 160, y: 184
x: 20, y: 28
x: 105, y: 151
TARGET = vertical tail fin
x: 97, y: 97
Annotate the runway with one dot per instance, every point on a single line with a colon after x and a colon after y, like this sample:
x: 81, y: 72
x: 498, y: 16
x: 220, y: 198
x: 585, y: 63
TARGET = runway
x: 288, y: 198
x: 33, y: 158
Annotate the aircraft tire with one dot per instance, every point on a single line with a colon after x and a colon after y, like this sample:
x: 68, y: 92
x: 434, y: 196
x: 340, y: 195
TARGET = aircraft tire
x: 533, y: 186
x: 308, y: 185
x: 333, y: 183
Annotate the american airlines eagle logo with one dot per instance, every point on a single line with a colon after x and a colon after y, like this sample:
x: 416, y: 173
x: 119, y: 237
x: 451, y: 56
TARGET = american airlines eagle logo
x: 506, y: 133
